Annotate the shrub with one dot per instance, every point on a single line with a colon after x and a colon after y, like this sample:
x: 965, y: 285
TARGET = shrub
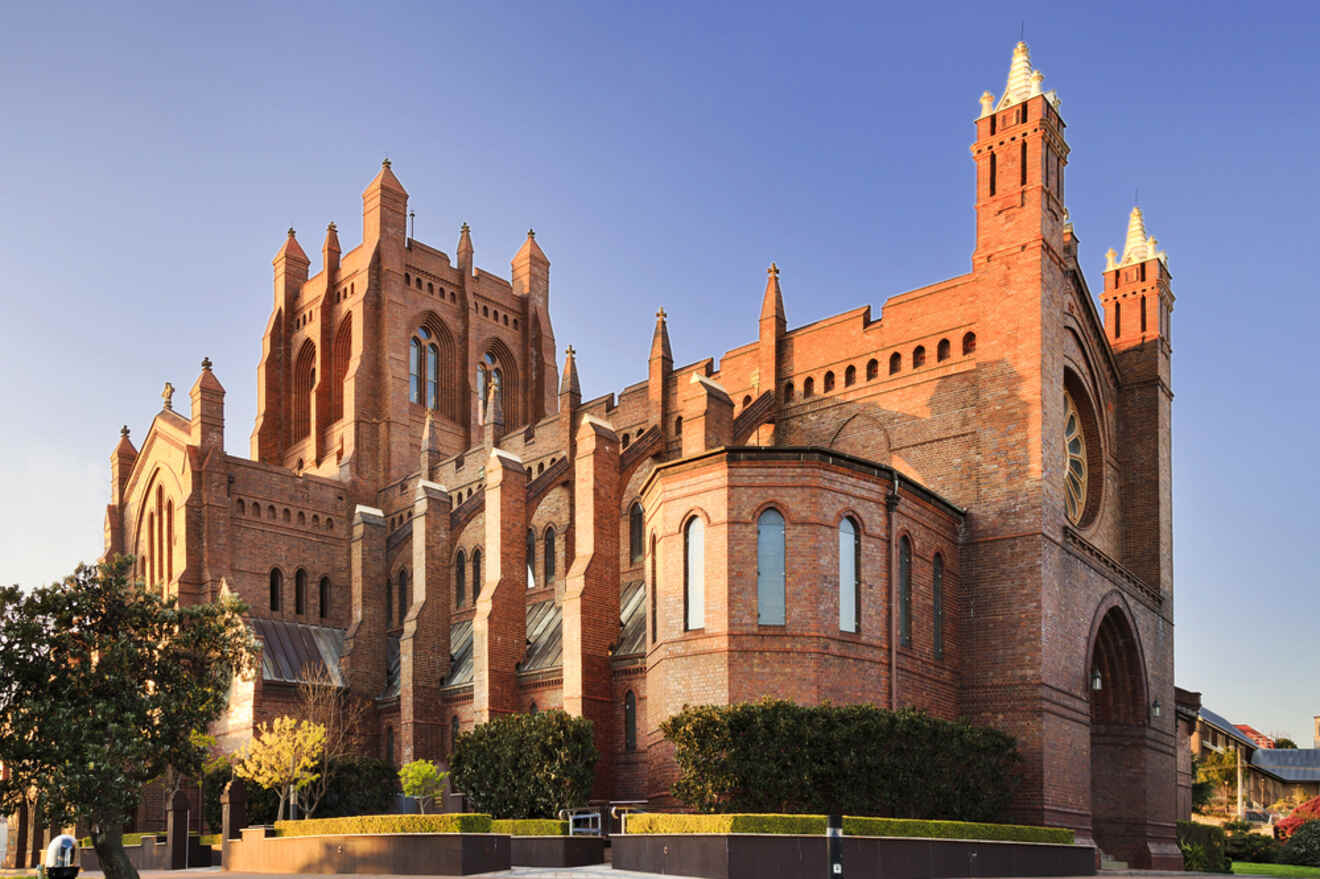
x: 1303, y: 847
x: 465, y: 822
x: 1203, y: 847
x: 526, y: 765
x: 423, y: 781
x: 529, y: 827
x: 655, y: 822
x: 956, y: 830
x: 1307, y: 811
x: 1253, y: 848
x: 776, y: 756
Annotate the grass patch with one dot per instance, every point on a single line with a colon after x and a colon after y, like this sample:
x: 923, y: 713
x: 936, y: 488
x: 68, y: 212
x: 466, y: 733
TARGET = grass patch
x: 1242, y: 868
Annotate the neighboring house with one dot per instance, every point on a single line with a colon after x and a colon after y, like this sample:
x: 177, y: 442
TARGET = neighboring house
x: 1296, y: 769
x: 962, y: 503
x: 1269, y: 774
x: 1261, y: 740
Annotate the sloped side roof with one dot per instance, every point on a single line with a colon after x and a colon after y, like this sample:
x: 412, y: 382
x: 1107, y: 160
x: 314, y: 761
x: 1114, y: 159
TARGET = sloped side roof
x: 392, y: 666
x: 545, y: 632
x: 1290, y: 764
x: 460, y: 648
x: 1228, y: 729
x: 632, y: 614
x: 292, y: 649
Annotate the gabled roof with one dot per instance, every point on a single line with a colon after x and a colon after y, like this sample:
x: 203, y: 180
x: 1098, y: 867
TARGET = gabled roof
x: 292, y: 649
x: 1289, y: 764
x: 1228, y: 729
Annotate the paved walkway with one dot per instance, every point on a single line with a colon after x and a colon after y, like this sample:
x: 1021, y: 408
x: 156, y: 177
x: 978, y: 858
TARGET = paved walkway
x: 599, y: 871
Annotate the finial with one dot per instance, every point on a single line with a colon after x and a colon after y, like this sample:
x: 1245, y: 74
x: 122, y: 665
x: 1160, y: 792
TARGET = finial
x: 661, y: 315
x: 570, y: 352
x: 385, y: 163
x: 773, y: 270
x: 332, y: 227
x: 167, y: 396
x: 206, y: 363
x: 531, y: 233
x: 123, y: 431
x: 464, y: 228
x: 291, y: 232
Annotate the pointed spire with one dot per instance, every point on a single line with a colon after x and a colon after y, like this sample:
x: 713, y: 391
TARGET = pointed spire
x: 530, y: 249
x: 125, y: 447
x: 660, y: 340
x: 1139, y: 245
x: 331, y: 238
x: 772, y: 303
x: 464, y: 251
x: 569, y: 384
x: 1023, y: 82
x: 385, y: 179
x: 291, y: 248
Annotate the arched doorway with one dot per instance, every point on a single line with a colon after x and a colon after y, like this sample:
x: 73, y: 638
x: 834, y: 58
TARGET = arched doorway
x: 1116, y: 683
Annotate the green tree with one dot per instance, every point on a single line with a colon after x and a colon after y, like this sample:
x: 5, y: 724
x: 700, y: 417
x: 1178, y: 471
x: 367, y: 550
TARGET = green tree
x: 526, y: 765
x: 283, y: 757
x: 1203, y: 789
x: 1220, y: 769
x: 102, y: 685
x: 423, y: 781
x: 1285, y: 743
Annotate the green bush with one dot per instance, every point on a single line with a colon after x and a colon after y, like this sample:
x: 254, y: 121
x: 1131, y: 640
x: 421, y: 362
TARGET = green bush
x: 526, y: 765
x: 465, y: 822
x: 1204, y: 847
x: 956, y: 830
x: 656, y: 822
x: 358, y: 786
x: 529, y: 827
x: 1254, y: 848
x: 776, y: 756
x: 1303, y: 847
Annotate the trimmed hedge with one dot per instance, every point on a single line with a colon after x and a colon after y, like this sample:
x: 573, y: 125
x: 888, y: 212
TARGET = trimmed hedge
x: 956, y: 830
x: 814, y: 825
x: 465, y: 822
x: 526, y: 765
x: 1203, y: 847
x: 775, y: 756
x: 656, y: 822
x: 529, y: 827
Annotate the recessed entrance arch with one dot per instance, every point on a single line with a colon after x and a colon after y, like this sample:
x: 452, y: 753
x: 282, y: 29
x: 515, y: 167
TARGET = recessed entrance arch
x: 1117, y: 685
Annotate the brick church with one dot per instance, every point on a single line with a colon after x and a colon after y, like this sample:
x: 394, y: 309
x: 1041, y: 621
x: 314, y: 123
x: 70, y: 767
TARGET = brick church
x: 962, y: 503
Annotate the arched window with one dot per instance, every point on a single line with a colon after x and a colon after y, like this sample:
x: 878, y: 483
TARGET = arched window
x: 490, y: 385
x: 460, y: 579
x: 788, y: 392
x: 694, y: 574
x: 300, y: 592
x: 829, y: 381
x: 770, y: 568
x: 531, y: 559
x: 432, y: 377
x: 918, y: 356
x: 895, y: 363
x: 548, y: 553
x: 969, y: 343
x: 476, y: 574
x: 342, y: 351
x: 453, y: 732
x: 629, y: 721
x: 242, y: 507
x: 635, y: 532
x: 655, y: 636
x: 850, y: 376
x: 905, y: 592
x: 808, y: 387
x: 304, y: 379
x: 850, y: 575
x: 324, y: 597
x: 942, y: 351
x: 169, y: 541
x: 403, y: 594
x: 678, y: 427
x: 747, y: 401
x: 1143, y: 302
x: 872, y: 369
x: 276, y: 586
x: 937, y: 587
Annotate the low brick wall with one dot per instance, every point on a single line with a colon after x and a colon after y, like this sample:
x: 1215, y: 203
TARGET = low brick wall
x: 556, y: 851
x: 748, y: 856
x: 454, y: 854
x: 151, y: 854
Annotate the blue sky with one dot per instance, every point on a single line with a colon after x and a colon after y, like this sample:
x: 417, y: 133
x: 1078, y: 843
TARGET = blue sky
x: 153, y: 155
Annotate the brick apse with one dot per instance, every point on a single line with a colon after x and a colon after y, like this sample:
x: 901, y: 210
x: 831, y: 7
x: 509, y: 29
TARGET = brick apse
x: 963, y: 504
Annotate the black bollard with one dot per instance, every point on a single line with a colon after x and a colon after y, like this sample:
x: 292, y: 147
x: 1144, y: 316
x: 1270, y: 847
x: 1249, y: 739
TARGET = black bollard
x: 834, y: 845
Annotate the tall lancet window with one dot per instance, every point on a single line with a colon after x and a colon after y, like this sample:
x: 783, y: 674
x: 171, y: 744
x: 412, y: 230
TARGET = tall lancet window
x: 694, y: 574
x: 490, y: 386
x: 850, y: 576
x: 770, y: 568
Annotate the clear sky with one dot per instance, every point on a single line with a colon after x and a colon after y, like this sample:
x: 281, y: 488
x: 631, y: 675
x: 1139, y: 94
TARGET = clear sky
x: 152, y: 156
